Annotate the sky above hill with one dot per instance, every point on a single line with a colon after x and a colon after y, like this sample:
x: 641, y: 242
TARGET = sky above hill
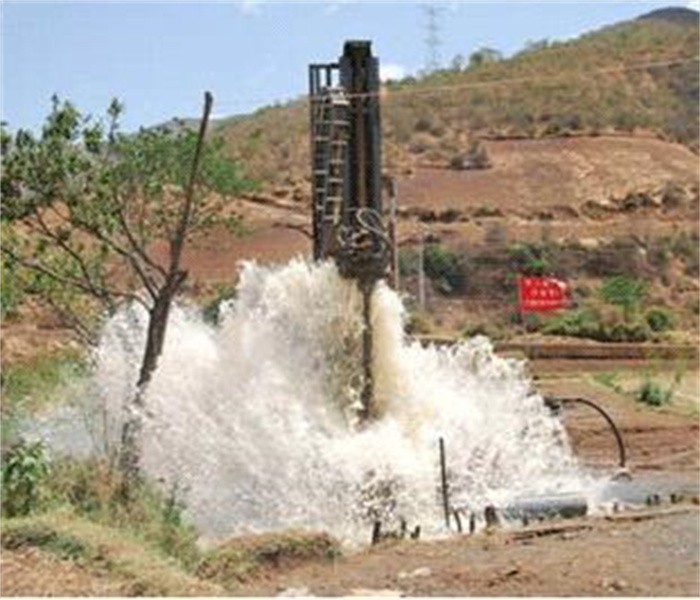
x: 159, y: 56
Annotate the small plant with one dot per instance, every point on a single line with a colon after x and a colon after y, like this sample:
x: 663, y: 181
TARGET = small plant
x: 634, y: 331
x: 626, y: 292
x: 24, y: 471
x: 445, y: 267
x: 652, y: 394
x: 659, y: 319
x: 529, y: 259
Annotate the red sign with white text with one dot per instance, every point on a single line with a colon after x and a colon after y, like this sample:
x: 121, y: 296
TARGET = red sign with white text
x: 539, y: 294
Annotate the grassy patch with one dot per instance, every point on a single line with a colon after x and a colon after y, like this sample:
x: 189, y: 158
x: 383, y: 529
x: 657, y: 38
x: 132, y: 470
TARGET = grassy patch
x: 19, y: 534
x: 609, y: 379
x: 241, y: 558
x: 31, y: 385
x: 146, y: 572
x: 92, y: 489
x: 666, y: 386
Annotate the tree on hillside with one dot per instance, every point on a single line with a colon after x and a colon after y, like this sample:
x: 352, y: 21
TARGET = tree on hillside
x: 458, y: 62
x: 484, y: 56
x: 84, y: 207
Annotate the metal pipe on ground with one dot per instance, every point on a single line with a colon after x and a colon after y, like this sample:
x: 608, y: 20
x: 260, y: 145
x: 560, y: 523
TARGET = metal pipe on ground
x: 547, y: 507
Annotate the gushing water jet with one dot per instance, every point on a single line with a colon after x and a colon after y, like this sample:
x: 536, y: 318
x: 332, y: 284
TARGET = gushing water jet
x: 255, y: 418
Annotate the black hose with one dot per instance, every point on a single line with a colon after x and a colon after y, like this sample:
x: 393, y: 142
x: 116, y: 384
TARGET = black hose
x: 551, y: 401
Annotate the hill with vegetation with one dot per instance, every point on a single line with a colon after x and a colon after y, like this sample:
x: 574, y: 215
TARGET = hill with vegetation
x: 635, y: 76
x: 584, y: 150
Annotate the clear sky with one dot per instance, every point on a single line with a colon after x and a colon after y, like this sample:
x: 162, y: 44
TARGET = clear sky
x: 160, y: 56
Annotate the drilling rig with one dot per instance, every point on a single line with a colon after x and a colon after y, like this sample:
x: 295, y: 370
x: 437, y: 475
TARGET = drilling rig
x: 348, y: 222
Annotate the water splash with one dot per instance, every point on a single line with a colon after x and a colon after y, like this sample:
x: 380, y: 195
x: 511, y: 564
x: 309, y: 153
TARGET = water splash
x: 255, y: 419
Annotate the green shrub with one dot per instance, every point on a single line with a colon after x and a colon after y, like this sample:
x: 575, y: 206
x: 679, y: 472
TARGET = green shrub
x: 588, y: 323
x: 626, y: 292
x: 529, y: 259
x: 581, y: 322
x: 652, y: 394
x: 11, y: 294
x: 531, y: 321
x: 635, y: 331
x: 444, y: 267
x: 24, y: 472
x: 659, y: 319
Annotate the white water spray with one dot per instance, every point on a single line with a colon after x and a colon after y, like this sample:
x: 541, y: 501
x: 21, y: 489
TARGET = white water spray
x: 255, y: 419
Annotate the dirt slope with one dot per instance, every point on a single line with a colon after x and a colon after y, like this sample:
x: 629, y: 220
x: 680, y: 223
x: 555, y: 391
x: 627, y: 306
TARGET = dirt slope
x: 531, y: 176
x: 579, y: 183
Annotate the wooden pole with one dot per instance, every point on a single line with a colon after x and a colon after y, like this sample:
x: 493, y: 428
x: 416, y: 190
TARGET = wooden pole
x: 443, y: 479
x: 421, y: 272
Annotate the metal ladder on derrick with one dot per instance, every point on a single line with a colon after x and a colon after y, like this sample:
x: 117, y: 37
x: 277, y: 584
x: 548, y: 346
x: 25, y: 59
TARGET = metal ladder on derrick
x: 330, y: 128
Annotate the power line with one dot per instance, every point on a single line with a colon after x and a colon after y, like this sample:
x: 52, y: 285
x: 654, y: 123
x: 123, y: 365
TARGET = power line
x: 524, y: 79
x: 420, y: 90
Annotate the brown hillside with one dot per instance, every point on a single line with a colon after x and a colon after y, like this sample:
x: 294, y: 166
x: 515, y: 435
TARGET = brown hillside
x: 553, y: 174
x: 576, y: 187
